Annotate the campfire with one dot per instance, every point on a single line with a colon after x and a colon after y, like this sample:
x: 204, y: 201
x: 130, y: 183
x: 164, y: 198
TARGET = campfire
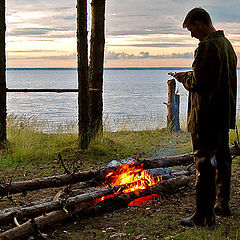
x: 130, y: 178
x: 127, y: 185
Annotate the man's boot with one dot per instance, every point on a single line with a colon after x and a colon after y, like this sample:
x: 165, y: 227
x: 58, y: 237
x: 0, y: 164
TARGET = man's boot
x: 221, y: 207
x: 205, y: 198
x: 204, y: 214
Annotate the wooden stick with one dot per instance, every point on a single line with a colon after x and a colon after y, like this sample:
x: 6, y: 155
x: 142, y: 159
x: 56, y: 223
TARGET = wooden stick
x: 61, y: 90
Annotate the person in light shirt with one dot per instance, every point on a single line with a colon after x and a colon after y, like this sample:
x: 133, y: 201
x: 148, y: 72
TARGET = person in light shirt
x: 212, y: 87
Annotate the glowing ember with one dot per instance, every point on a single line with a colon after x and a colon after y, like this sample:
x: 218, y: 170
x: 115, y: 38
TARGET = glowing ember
x: 98, y: 200
x: 133, y: 177
x: 143, y: 200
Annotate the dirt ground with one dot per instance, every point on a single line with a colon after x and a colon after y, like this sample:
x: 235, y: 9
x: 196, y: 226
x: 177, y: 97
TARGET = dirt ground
x: 156, y: 219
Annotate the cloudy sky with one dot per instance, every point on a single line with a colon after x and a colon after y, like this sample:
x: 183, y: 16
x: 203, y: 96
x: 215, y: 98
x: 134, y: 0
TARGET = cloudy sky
x: 139, y: 33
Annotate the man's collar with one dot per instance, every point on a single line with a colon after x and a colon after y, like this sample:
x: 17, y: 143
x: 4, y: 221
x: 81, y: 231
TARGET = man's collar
x: 218, y: 33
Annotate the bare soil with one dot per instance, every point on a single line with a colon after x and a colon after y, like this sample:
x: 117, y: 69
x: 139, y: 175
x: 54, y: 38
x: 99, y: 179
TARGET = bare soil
x: 156, y: 219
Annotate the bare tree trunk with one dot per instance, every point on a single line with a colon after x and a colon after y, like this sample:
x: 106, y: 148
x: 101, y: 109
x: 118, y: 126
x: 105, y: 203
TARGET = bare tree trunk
x: 96, y: 64
x: 83, y: 88
x: 173, y: 107
x: 3, y: 112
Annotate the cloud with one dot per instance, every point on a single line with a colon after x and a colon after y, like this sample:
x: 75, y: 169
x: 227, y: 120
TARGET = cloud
x: 164, y: 16
x: 30, y: 51
x: 129, y: 23
x: 42, y: 32
x: 225, y: 13
x: 49, y: 57
x: 30, y: 31
x: 157, y: 45
x: 122, y: 55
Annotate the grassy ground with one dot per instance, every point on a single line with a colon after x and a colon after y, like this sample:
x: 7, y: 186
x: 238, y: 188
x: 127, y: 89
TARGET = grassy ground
x: 30, y: 153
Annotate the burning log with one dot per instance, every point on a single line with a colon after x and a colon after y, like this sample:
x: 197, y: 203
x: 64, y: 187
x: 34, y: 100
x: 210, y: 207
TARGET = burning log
x: 81, y: 208
x: 95, y: 175
x: 66, y: 198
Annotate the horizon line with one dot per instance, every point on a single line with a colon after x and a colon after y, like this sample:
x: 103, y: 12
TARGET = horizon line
x: 107, y: 68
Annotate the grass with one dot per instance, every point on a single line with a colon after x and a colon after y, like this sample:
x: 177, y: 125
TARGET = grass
x: 32, y: 153
x: 29, y: 145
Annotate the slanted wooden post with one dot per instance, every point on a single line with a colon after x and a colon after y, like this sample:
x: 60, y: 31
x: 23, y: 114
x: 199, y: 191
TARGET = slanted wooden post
x: 173, y: 107
x: 83, y: 87
x: 96, y: 64
x: 3, y: 111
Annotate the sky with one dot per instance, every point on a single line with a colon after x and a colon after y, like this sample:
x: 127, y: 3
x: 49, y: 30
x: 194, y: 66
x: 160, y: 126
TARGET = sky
x: 139, y: 33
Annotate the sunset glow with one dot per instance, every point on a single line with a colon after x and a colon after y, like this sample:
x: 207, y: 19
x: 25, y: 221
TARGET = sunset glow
x: 43, y: 33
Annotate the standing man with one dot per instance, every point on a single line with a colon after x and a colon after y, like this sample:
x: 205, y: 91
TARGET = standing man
x: 212, y: 86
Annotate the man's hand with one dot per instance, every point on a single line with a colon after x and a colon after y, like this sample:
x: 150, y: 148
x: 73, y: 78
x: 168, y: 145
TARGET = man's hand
x: 178, y: 76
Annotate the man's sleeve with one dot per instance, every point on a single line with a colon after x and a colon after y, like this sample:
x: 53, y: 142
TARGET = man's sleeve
x: 206, y: 69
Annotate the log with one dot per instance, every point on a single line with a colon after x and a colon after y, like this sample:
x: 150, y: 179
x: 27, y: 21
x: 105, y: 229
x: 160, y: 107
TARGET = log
x: 96, y: 175
x: 41, y: 201
x: 45, y: 222
x: 73, y: 197
x: 48, y: 182
x: 56, y: 204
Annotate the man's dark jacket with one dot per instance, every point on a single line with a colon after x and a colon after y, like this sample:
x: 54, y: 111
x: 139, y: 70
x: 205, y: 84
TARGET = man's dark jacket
x: 212, y: 85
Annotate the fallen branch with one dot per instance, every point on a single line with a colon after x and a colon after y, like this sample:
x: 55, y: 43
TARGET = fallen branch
x: 82, y: 210
x: 97, y: 175
x: 56, y: 204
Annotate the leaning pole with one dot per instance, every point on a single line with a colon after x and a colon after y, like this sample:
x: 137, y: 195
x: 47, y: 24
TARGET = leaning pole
x: 3, y: 111
x: 83, y: 87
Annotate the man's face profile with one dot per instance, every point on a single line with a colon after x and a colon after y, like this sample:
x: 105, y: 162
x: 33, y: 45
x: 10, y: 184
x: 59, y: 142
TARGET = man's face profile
x: 194, y: 29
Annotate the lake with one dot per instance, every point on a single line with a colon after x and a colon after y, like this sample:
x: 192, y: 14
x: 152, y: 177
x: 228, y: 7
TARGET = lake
x: 133, y: 98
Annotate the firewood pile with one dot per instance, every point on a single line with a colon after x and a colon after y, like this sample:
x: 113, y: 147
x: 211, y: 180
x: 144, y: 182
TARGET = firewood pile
x: 111, y: 192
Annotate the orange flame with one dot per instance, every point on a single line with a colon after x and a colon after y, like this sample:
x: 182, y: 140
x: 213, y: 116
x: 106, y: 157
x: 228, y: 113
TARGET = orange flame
x: 133, y: 177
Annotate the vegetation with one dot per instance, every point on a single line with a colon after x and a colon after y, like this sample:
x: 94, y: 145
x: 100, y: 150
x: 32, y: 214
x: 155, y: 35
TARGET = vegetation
x: 32, y: 153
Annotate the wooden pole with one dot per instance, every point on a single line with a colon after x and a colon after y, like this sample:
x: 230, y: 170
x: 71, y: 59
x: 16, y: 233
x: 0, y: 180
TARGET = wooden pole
x: 173, y: 107
x: 3, y: 111
x: 96, y: 64
x: 56, y: 90
x: 83, y: 88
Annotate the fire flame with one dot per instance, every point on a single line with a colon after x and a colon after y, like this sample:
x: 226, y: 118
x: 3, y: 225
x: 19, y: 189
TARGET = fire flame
x: 132, y: 177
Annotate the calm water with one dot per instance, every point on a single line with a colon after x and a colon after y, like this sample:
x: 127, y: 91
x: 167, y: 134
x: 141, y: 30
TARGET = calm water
x: 133, y: 99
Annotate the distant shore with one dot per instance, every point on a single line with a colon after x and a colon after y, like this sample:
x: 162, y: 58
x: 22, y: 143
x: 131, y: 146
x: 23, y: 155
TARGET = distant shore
x: 123, y: 68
